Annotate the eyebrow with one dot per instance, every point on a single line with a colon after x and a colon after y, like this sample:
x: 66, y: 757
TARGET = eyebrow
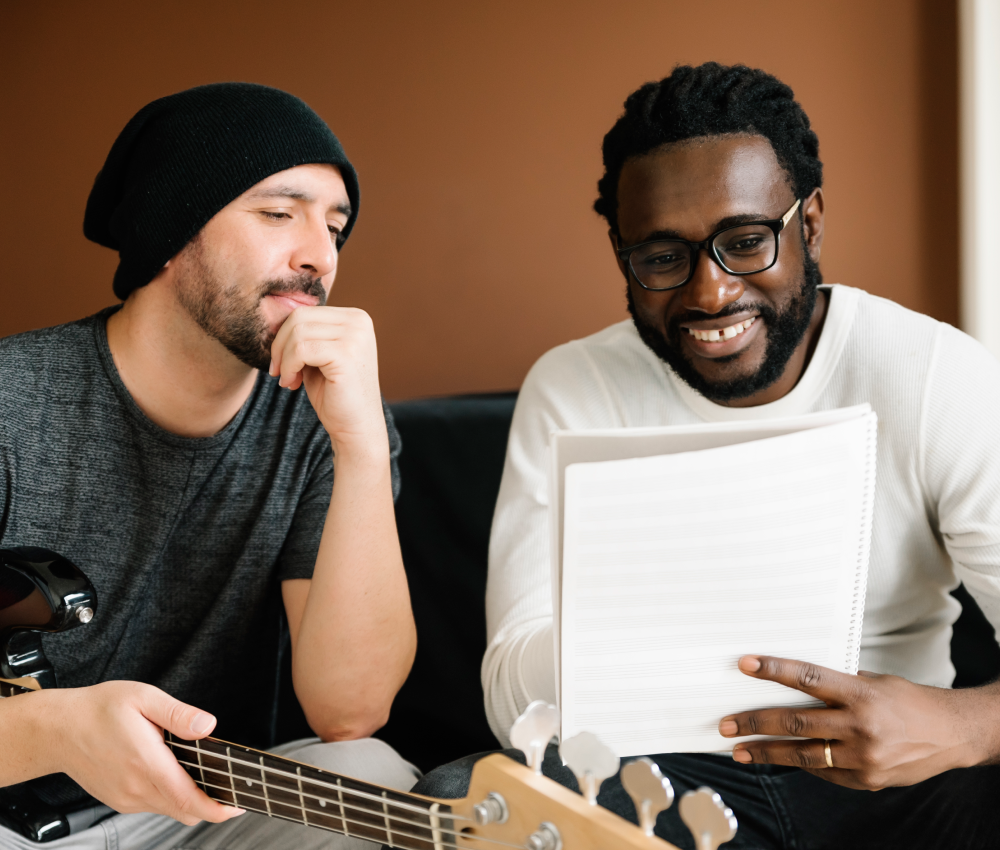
x: 295, y: 195
x: 721, y: 224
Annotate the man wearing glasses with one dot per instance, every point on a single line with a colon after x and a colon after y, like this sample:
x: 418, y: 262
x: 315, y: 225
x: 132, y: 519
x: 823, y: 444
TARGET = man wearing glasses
x: 712, y: 193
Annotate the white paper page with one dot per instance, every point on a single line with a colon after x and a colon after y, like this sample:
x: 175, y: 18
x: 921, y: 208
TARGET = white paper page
x: 675, y: 566
x: 568, y: 447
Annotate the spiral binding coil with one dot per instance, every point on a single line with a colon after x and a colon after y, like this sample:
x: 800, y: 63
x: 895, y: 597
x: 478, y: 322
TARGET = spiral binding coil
x: 864, y: 548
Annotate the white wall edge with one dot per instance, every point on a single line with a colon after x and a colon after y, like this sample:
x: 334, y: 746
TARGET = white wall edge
x: 979, y: 169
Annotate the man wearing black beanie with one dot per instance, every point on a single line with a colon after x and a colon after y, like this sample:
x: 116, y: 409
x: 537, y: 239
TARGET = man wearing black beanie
x: 161, y: 446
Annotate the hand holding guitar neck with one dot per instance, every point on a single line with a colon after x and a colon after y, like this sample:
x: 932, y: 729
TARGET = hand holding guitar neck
x: 191, y: 777
x: 72, y: 731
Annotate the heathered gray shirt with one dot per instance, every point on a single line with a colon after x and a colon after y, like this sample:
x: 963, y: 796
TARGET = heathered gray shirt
x: 186, y: 540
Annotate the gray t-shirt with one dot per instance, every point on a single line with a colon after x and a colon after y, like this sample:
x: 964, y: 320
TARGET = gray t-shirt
x: 185, y: 539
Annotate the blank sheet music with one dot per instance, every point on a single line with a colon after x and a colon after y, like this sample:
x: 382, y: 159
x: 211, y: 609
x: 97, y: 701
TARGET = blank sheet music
x: 676, y: 565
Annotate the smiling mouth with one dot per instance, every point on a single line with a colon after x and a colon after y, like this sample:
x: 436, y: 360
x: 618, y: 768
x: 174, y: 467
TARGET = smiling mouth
x: 722, y: 334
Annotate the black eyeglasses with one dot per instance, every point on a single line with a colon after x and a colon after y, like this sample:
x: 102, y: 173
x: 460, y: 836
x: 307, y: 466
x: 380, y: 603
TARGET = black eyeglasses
x: 743, y: 249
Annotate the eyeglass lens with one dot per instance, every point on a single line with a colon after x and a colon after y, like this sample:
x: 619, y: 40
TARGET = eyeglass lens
x: 744, y: 249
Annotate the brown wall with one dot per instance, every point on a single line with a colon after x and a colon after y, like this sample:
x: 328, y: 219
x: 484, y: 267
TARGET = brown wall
x: 476, y: 129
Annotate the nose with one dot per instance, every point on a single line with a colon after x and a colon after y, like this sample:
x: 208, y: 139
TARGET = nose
x: 711, y: 288
x: 315, y: 251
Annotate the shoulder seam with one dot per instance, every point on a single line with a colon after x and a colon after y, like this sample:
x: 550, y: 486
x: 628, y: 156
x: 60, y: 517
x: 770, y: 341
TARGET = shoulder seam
x: 924, y: 407
x: 599, y: 378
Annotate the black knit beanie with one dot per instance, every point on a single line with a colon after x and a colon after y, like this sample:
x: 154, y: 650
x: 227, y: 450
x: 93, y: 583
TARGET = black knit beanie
x: 184, y: 157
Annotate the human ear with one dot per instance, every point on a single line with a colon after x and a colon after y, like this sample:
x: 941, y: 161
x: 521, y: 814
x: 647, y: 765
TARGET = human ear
x: 813, y: 209
x: 614, y: 247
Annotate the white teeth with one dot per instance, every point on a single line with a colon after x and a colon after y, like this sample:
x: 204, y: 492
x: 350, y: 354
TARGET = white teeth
x: 722, y: 333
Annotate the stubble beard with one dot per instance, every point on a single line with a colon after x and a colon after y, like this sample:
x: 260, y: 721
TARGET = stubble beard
x: 229, y: 311
x: 785, y: 330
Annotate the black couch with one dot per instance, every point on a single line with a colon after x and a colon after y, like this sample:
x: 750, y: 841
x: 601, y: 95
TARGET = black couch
x: 453, y: 452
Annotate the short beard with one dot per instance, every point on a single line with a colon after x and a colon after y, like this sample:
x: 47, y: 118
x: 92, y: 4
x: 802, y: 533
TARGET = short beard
x: 226, y: 311
x: 785, y: 331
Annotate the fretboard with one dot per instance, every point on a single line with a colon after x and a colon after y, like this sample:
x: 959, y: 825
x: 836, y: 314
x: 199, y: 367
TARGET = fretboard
x: 286, y: 789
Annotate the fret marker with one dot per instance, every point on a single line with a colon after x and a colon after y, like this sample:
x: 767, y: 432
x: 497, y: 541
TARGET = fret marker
x: 322, y: 803
x: 249, y: 783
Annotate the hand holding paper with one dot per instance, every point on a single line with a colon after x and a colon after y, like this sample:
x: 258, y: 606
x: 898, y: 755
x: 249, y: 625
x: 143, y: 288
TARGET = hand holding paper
x: 882, y: 731
x: 676, y: 565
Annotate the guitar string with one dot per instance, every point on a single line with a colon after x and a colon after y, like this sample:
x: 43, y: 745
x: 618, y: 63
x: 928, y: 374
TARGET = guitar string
x: 323, y: 812
x: 365, y: 795
x: 430, y: 841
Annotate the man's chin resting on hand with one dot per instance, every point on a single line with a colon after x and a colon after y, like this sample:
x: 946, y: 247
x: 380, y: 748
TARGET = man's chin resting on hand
x: 215, y: 455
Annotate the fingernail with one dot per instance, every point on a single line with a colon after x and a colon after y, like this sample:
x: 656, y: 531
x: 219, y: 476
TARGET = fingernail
x: 270, y: 368
x: 201, y: 723
x: 742, y: 756
x: 749, y: 664
x: 728, y: 728
x: 239, y: 811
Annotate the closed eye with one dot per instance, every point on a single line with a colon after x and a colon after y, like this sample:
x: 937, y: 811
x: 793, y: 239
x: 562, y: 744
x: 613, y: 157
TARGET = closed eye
x: 274, y: 216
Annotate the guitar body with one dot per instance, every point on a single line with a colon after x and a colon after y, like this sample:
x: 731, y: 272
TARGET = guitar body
x: 508, y: 804
x: 40, y: 591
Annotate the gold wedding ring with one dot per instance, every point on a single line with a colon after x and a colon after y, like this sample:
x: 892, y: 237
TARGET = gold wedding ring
x: 828, y: 754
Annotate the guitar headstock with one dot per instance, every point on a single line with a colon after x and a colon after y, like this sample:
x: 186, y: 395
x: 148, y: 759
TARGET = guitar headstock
x: 509, y: 803
x: 40, y: 591
x: 539, y: 814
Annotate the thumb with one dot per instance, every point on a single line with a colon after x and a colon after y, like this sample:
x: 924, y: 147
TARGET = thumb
x: 183, y: 720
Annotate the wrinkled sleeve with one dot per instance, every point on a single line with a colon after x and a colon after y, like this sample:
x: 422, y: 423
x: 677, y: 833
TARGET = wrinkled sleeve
x: 561, y: 391
x: 298, y: 556
x: 960, y: 444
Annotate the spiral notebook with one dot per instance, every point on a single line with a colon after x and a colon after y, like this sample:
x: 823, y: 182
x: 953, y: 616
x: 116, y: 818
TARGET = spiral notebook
x: 677, y: 550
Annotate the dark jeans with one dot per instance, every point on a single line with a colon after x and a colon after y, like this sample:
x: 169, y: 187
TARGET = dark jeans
x: 787, y: 808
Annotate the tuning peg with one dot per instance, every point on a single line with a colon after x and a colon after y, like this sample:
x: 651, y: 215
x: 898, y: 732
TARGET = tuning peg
x: 533, y: 730
x: 710, y: 820
x: 591, y: 761
x: 649, y: 789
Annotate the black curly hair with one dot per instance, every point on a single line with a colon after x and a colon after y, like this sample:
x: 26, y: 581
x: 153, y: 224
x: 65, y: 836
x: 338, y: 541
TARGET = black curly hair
x: 710, y: 100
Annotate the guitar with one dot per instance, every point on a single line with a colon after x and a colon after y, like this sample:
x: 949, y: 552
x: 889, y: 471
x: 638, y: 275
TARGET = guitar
x: 508, y: 804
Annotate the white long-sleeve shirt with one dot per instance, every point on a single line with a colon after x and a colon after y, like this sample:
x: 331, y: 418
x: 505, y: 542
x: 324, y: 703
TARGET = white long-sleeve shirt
x: 937, y: 504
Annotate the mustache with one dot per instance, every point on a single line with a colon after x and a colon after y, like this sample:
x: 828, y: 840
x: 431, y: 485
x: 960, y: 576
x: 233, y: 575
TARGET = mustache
x: 303, y: 284
x: 764, y: 311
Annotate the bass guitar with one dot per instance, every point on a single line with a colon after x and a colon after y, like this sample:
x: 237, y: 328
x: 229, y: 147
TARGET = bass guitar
x: 508, y: 804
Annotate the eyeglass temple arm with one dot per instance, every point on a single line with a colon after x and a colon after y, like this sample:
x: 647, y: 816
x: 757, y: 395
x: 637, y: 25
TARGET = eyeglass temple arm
x: 788, y: 215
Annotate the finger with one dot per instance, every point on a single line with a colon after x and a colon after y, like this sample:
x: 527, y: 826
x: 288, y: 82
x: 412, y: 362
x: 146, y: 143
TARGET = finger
x: 808, y: 754
x: 840, y: 776
x: 821, y: 682
x: 324, y: 320
x: 183, y: 720
x: 182, y: 799
x: 330, y: 355
x: 797, y: 722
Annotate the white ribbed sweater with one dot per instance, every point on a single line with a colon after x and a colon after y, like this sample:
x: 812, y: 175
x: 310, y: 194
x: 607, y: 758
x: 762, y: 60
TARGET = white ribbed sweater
x: 937, y: 505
